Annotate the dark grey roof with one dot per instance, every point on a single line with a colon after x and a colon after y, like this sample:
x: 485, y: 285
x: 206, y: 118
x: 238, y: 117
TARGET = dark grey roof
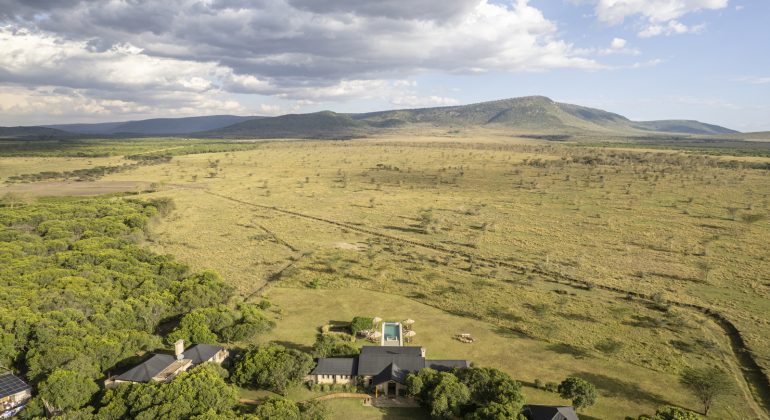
x: 375, y: 359
x: 446, y: 365
x: 336, y: 366
x: 549, y: 412
x: 391, y: 373
x: 148, y: 369
x: 200, y: 353
x: 11, y: 384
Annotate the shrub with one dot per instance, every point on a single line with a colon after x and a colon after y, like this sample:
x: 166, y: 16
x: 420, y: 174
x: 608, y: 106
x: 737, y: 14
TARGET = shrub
x: 360, y: 323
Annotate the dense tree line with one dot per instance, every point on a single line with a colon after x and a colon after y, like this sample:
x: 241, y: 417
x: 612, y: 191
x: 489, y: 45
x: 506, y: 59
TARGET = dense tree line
x: 88, y: 174
x: 272, y: 367
x: 79, y: 297
x: 475, y: 393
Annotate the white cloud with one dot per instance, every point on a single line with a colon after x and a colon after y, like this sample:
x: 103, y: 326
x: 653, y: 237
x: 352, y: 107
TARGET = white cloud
x: 673, y: 27
x: 649, y: 63
x: 267, y: 109
x: 655, y: 17
x: 413, y: 101
x: 657, y: 11
x: 618, y: 43
x: 754, y: 80
x: 301, y: 50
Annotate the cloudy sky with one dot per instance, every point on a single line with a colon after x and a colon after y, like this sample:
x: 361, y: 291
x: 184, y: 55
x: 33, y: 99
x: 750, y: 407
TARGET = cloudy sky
x: 108, y: 60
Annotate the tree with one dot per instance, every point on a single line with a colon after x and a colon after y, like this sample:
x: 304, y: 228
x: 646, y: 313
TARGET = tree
x: 314, y: 410
x: 707, y: 384
x: 448, y: 396
x: 674, y: 413
x: 420, y: 384
x: 581, y: 392
x: 278, y: 408
x: 201, y: 391
x: 194, y: 328
x: 67, y: 390
x: 360, y: 323
x: 334, y: 345
x: 272, y: 367
x: 491, y: 386
x: 496, y: 411
x: 12, y: 199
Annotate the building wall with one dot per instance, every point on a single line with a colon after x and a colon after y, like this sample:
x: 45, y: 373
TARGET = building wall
x: 335, y: 379
x: 13, y: 400
x: 220, y: 356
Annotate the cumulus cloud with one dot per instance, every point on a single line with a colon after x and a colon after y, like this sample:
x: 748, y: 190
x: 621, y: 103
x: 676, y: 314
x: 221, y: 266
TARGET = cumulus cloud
x: 293, y: 49
x: 656, y: 17
x: 618, y: 43
x: 414, y: 101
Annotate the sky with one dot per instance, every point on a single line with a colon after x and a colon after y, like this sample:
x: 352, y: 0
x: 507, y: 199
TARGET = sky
x: 66, y: 61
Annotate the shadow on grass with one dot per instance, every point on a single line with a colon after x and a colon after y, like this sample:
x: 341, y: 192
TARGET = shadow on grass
x: 612, y: 387
x: 406, y: 229
x: 295, y: 346
x: 574, y: 351
x: 399, y: 413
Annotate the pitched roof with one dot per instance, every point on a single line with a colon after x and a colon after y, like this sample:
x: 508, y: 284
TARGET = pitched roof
x: 148, y: 369
x: 375, y: 359
x: 391, y: 373
x: 201, y: 353
x: 549, y: 412
x: 11, y: 384
x: 446, y: 365
x: 336, y: 366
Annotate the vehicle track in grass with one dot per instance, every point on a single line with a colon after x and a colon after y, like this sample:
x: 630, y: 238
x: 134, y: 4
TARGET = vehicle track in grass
x: 758, y: 383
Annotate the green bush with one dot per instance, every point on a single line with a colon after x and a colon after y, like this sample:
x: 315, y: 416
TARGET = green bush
x: 360, y: 323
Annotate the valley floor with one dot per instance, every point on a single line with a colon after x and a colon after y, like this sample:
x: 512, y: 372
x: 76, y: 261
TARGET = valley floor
x: 472, y: 234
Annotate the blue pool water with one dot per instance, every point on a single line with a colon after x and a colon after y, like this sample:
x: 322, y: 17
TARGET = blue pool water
x: 391, y: 331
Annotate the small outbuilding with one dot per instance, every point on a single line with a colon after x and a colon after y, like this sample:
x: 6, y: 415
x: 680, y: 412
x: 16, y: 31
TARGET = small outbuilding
x: 549, y: 412
x: 14, y: 393
x: 165, y: 367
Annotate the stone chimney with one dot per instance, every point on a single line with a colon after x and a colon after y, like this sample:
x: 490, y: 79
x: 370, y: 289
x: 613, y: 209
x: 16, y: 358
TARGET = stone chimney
x: 179, y: 349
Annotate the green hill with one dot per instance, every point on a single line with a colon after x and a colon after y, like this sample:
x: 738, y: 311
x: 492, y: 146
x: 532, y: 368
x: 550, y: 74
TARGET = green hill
x: 325, y: 124
x: 530, y: 115
x: 535, y: 114
x: 155, y: 126
x: 32, y: 132
x: 682, y: 126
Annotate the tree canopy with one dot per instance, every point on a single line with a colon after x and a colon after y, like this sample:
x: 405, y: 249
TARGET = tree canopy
x: 477, y: 393
x: 81, y: 297
x: 708, y: 385
x: 581, y: 392
x: 201, y: 391
x: 334, y: 345
x: 272, y: 367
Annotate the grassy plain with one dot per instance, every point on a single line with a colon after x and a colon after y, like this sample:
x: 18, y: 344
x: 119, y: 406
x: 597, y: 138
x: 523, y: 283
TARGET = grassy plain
x: 471, y: 224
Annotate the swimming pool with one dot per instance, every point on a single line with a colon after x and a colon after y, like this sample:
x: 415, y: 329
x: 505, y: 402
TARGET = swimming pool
x: 391, y: 334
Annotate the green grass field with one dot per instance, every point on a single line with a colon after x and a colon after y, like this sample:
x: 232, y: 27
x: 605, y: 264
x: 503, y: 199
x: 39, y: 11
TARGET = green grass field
x: 477, y: 228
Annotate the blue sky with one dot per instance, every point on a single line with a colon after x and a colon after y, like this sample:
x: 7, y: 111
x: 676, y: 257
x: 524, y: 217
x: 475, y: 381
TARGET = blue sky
x: 69, y: 61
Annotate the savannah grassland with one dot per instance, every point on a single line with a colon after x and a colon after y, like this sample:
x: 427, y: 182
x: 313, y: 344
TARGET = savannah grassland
x: 482, y: 234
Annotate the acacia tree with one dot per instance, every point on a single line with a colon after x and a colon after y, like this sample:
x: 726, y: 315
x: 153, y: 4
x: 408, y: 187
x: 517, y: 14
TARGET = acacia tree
x: 707, y: 384
x: 581, y: 392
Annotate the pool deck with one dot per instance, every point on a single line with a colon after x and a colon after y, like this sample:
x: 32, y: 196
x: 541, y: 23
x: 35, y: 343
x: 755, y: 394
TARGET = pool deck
x: 387, y: 340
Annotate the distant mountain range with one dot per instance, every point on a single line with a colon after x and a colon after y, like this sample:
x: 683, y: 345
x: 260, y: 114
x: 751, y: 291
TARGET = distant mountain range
x: 155, y: 126
x: 531, y: 114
